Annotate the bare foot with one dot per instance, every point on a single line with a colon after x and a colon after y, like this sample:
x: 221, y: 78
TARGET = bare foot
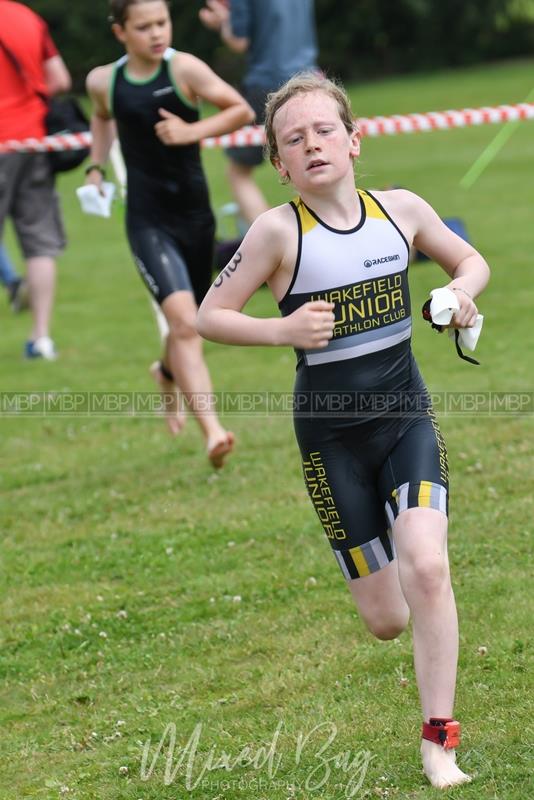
x: 439, y: 766
x: 172, y: 400
x: 220, y: 447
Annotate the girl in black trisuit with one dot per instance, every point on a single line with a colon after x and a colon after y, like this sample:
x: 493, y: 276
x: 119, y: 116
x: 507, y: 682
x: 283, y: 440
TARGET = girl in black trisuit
x: 152, y: 94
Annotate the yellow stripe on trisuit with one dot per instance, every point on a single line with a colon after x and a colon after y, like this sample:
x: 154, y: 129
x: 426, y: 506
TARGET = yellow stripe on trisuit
x: 425, y: 494
x: 371, y: 209
x: 307, y: 220
x: 359, y: 561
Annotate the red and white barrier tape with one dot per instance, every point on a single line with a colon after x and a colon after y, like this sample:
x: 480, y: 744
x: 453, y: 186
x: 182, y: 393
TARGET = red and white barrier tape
x: 50, y: 144
x: 443, y: 120
x: 251, y: 135
x: 369, y: 126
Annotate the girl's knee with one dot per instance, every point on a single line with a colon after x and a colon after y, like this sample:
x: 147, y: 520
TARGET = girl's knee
x: 430, y: 576
x: 386, y: 630
x: 389, y: 626
x: 183, y: 329
x: 381, y: 602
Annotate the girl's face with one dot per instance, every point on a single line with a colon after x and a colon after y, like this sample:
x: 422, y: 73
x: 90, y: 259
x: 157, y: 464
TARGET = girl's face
x: 147, y: 30
x: 315, y: 149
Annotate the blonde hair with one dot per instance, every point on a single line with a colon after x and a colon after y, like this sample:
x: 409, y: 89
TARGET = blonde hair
x: 304, y: 83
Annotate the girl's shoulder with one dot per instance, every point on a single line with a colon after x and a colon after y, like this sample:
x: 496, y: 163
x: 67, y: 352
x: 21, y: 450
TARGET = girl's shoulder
x: 279, y: 220
x: 274, y: 232
x: 401, y: 204
x: 409, y: 211
x: 99, y: 78
x: 185, y: 62
x: 395, y: 198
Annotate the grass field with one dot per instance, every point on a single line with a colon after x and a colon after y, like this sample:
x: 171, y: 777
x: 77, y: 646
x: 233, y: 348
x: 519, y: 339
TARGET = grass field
x: 141, y: 591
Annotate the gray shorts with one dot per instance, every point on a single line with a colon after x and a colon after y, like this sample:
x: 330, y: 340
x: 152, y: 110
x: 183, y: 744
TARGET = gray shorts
x: 27, y: 195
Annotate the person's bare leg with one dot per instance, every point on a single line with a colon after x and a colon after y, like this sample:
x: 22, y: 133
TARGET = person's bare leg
x: 185, y: 361
x: 380, y: 602
x: 41, y: 279
x: 246, y: 192
x: 170, y: 395
x: 420, y: 536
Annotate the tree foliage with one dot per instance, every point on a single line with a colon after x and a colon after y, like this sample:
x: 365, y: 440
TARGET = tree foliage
x: 374, y: 37
x: 356, y: 38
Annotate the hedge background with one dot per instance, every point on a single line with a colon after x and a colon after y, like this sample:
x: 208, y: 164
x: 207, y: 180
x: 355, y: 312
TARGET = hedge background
x: 357, y: 38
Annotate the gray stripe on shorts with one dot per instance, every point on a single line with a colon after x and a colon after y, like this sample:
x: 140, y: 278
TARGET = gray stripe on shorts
x: 402, y: 497
x: 435, y: 496
x: 341, y: 562
x: 389, y: 513
x: 379, y: 554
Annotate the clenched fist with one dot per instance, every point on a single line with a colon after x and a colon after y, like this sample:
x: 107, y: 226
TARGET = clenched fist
x: 173, y: 130
x: 311, y: 326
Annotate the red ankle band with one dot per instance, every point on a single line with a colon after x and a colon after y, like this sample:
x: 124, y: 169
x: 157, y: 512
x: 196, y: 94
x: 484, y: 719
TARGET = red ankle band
x: 440, y: 730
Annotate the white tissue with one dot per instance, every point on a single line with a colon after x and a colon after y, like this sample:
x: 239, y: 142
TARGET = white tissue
x: 468, y: 337
x: 443, y: 305
x: 94, y: 200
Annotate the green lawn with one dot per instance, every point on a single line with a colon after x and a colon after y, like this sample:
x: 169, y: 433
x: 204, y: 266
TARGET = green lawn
x: 142, y: 591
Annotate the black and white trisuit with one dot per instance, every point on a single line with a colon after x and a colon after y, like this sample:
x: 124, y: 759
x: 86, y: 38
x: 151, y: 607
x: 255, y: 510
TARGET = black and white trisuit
x: 369, y: 440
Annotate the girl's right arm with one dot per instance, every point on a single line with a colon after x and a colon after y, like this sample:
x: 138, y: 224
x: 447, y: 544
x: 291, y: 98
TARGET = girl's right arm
x: 262, y: 257
x: 103, y: 128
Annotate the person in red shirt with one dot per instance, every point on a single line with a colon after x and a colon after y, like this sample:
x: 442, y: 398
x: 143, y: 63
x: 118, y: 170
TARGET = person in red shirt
x: 30, y: 70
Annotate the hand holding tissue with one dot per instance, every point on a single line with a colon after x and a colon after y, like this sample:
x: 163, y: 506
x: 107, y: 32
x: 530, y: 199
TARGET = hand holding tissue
x: 440, y: 309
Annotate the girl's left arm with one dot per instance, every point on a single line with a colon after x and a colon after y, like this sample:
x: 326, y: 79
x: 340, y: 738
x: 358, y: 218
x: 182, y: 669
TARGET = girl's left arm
x: 468, y: 271
x: 202, y: 83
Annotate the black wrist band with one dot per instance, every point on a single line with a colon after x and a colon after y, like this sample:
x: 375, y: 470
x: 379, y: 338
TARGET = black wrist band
x: 98, y: 167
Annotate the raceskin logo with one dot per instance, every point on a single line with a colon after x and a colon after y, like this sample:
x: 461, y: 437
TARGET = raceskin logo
x: 368, y: 263
x: 161, y: 92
